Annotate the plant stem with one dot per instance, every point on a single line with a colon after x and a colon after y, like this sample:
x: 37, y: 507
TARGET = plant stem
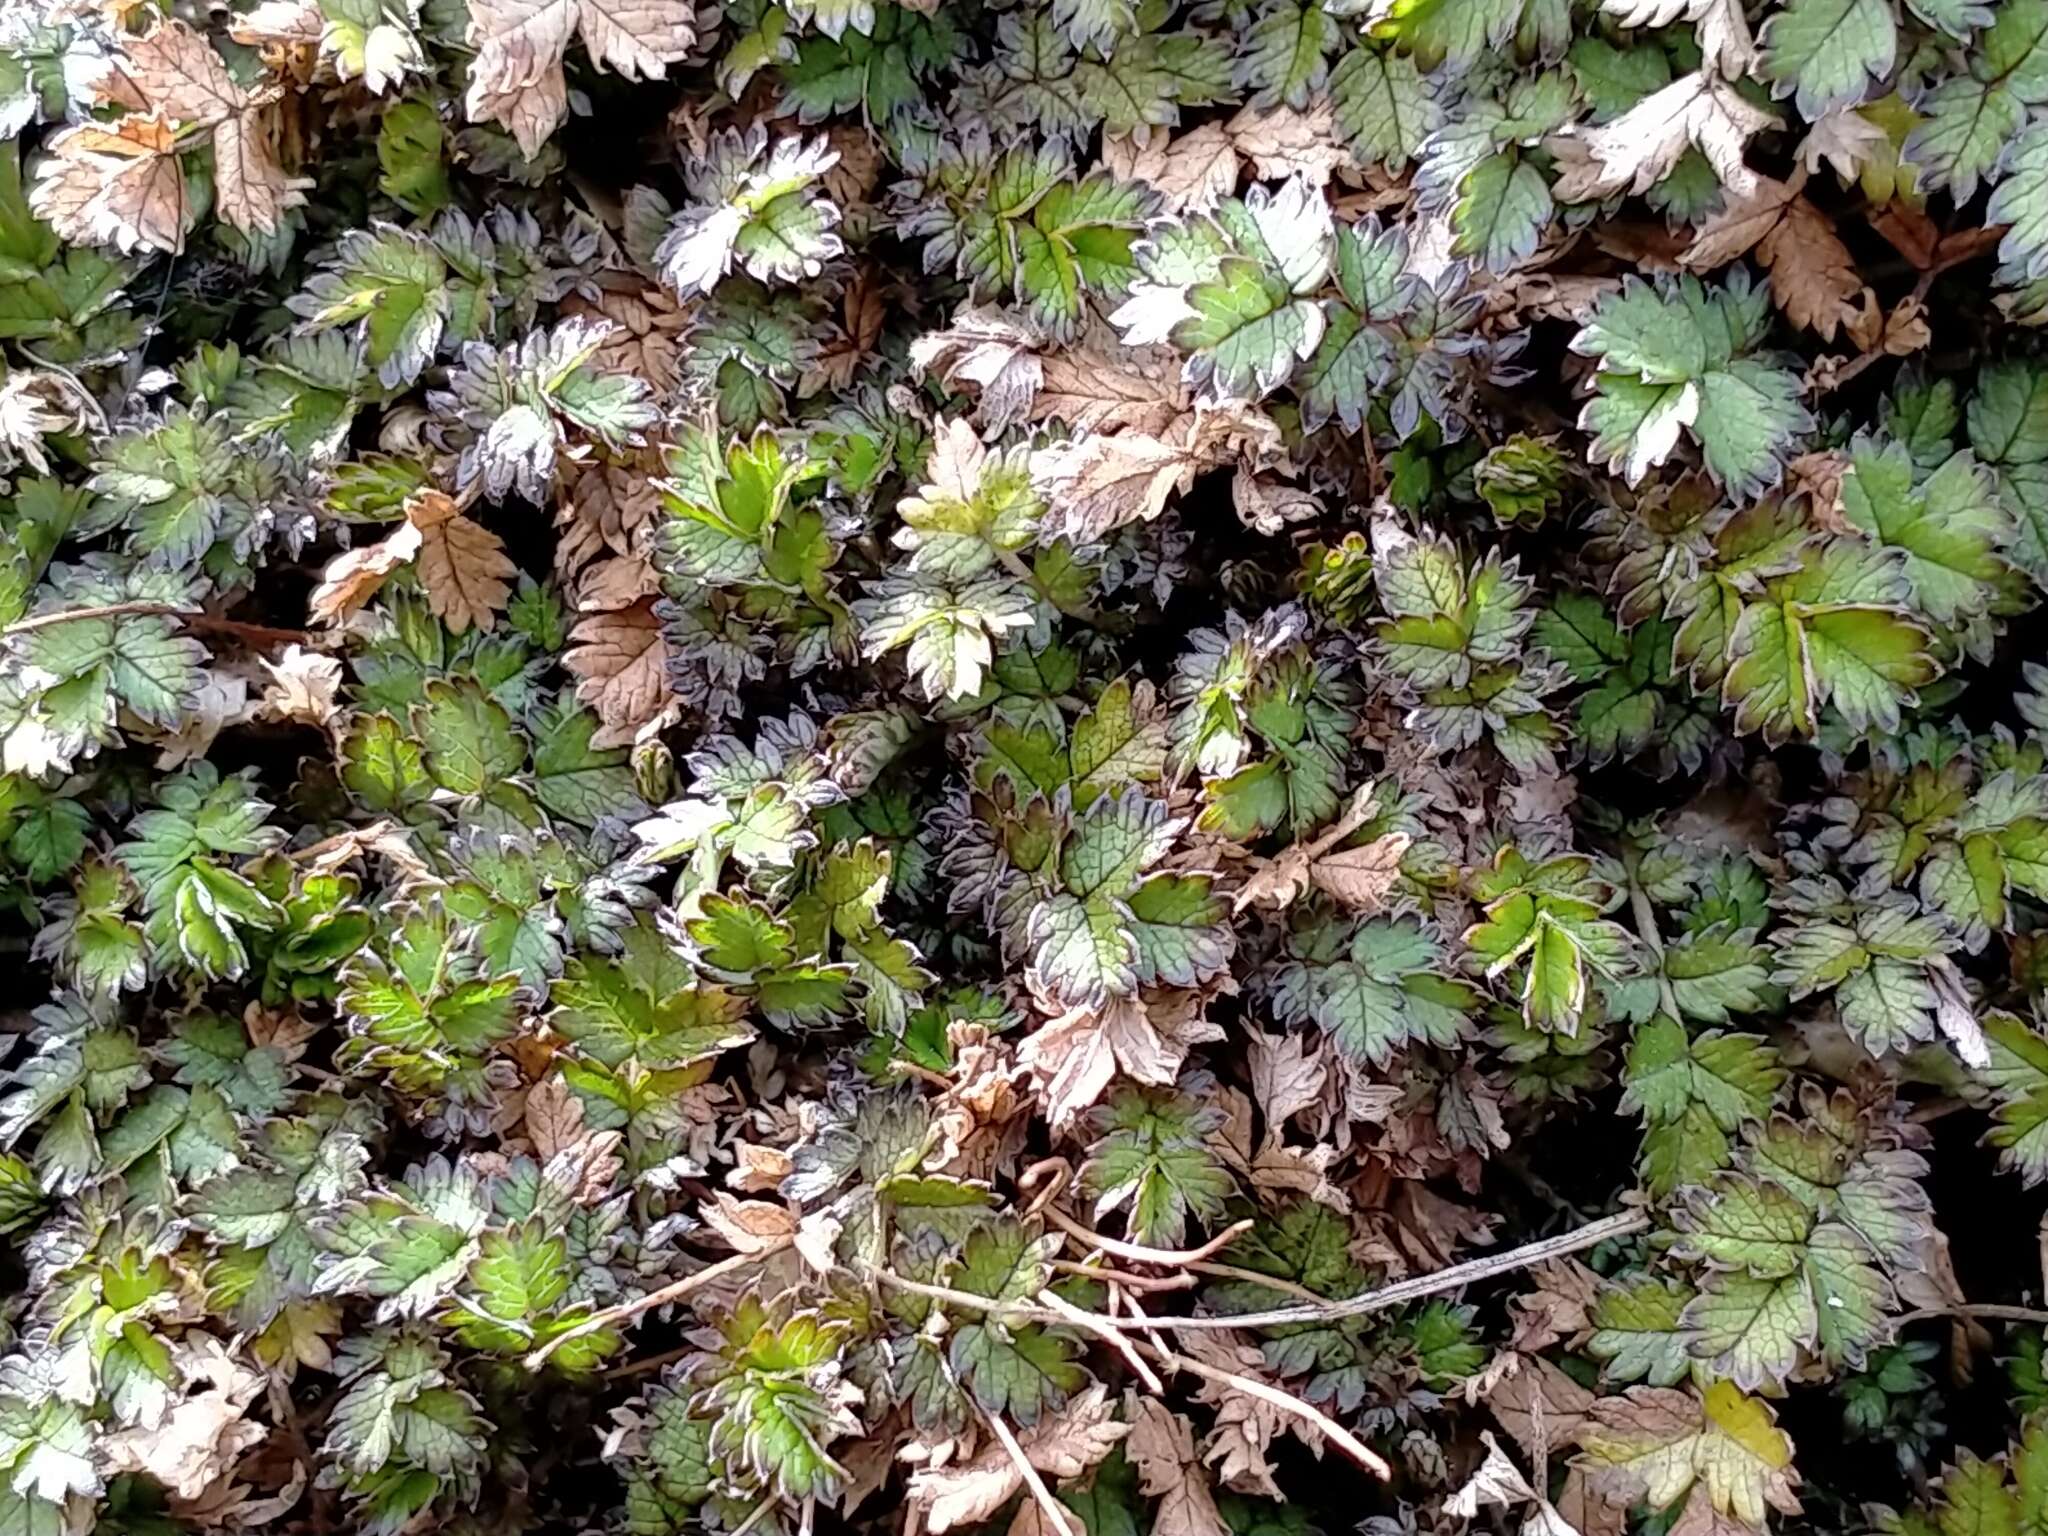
x: 1646, y: 930
x: 1621, y: 1224
x: 626, y: 1311
x: 1989, y: 1311
x: 204, y: 623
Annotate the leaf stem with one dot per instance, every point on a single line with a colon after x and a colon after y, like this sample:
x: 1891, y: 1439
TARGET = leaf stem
x: 1057, y: 1514
x: 1646, y: 930
x: 1081, y: 613
x: 676, y: 1291
x: 1138, y: 1253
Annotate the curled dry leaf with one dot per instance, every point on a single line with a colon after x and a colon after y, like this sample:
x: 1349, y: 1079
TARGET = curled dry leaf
x: 304, y: 687
x: 750, y: 1226
x: 1639, y: 148
x: 203, y: 1434
x: 1813, y: 279
x: 1358, y: 877
x: 516, y: 78
x: 1281, y: 142
x: 353, y: 577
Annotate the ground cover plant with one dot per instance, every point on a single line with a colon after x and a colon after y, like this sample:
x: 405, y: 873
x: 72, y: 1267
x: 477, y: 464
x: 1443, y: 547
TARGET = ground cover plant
x: 1200, y: 767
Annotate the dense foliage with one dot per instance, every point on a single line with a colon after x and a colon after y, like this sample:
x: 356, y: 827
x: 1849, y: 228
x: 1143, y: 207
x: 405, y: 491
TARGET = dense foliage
x: 907, y: 764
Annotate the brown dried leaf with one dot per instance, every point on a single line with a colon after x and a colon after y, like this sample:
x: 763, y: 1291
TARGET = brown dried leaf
x: 203, y: 1434
x: 1191, y: 174
x: 1358, y: 877
x: 1288, y: 1073
x: 1095, y: 485
x: 250, y: 188
x: 1098, y: 484
x: 1539, y: 1405
x: 304, y: 686
x: 1818, y: 477
x: 638, y: 38
x: 1905, y: 329
x: 1267, y: 505
x: 1162, y: 1449
x: 1061, y: 1446
x: 463, y: 565
x: 1587, y: 1512
x: 646, y: 335
x: 862, y: 313
x: 617, y: 582
x: 114, y: 184
x: 1813, y: 278
x: 516, y: 78
x: 621, y: 667
x: 605, y: 507
x: 1556, y: 1307
x: 751, y: 1226
x: 1281, y: 142
x: 1361, y: 877
x: 175, y: 74
x: 554, y: 1117
x: 758, y: 1170
x: 1100, y: 385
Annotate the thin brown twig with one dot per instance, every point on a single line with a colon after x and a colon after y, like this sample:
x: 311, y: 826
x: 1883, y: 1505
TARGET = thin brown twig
x: 1435, y: 1283
x: 1106, y: 1331
x: 1286, y: 1402
x: 923, y: 1074
x: 650, y: 1363
x: 1967, y: 250
x: 1131, y: 1282
x: 1991, y: 1311
x: 138, y: 608
x: 626, y: 1311
x: 1138, y: 1253
x: 1270, y: 1282
x: 191, y: 618
x: 1621, y: 1224
x: 1058, y: 1514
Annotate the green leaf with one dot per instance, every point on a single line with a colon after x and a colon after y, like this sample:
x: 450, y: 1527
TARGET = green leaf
x: 1827, y: 633
x: 1153, y: 1159
x: 1637, y: 1334
x: 1828, y: 53
x: 1503, y: 207
x: 1374, y: 989
x: 1247, y: 330
x: 1285, y: 55
x: 1383, y: 105
x: 1677, y: 357
x: 1950, y: 526
x: 470, y: 743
